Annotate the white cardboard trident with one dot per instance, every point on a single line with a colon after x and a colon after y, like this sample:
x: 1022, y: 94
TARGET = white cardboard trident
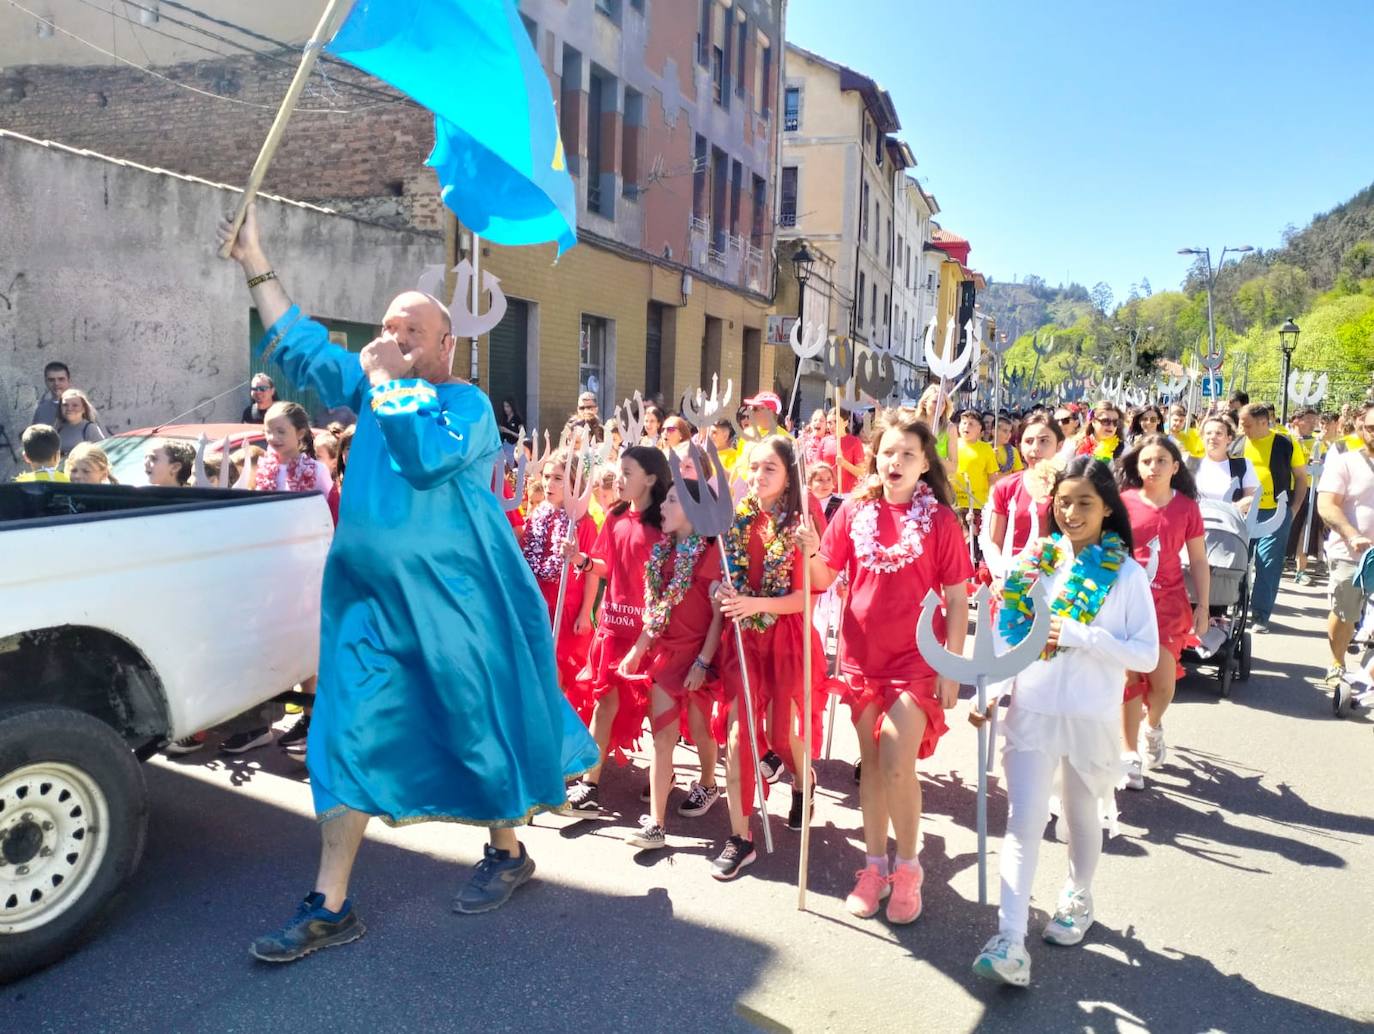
x: 466, y: 322
x: 1262, y: 529
x: 1001, y: 559
x: 577, y: 495
x: 1302, y: 390
x: 984, y: 666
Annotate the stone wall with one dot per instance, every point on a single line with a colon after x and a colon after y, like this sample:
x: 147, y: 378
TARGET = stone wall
x: 111, y: 268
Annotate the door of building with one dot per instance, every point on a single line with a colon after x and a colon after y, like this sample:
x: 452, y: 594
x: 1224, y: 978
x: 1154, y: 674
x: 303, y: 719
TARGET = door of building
x: 653, y: 351
x: 508, y: 356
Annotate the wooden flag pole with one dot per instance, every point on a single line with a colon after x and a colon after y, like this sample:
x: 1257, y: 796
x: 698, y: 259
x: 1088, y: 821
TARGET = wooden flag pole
x: 335, y: 12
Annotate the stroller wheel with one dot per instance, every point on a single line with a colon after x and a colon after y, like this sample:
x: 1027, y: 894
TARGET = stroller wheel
x: 1342, y: 698
x: 1244, y: 672
x: 1226, y: 668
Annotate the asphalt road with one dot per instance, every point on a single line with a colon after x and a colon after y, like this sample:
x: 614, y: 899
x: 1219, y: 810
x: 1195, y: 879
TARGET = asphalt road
x: 1236, y: 899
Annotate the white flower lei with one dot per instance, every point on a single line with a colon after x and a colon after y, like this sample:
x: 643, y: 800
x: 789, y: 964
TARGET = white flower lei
x: 915, y: 525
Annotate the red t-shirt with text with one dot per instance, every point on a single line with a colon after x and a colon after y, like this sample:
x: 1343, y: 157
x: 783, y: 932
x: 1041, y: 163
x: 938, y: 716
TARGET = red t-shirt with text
x: 624, y: 545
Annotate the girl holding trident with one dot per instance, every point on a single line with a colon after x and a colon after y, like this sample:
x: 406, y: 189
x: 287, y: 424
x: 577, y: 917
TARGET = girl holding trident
x: 896, y: 539
x: 1065, y: 706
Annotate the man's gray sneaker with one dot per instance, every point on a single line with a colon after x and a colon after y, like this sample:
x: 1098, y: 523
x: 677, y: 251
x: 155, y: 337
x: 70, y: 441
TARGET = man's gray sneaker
x: 493, y: 881
x: 312, y: 927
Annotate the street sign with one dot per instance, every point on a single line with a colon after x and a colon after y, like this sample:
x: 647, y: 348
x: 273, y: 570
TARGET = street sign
x: 779, y: 330
x: 1212, y: 387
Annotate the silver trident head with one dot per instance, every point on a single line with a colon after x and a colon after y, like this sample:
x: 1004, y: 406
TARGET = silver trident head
x: 949, y: 366
x: 715, y: 511
x: 632, y: 422
x: 837, y: 361
x: 1042, y: 350
x: 700, y: 409
x: 986, y: 663
x: 498, y: 481
x: 1212, y: 361
x: 577, y: 485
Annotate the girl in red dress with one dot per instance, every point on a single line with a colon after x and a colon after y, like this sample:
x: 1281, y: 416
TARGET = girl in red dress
x: 1161, y: 501
x: 896, y: 541
x: 677, y: 651
x: 766, y: 600
x: 619, y: 556
x: 542, y: 543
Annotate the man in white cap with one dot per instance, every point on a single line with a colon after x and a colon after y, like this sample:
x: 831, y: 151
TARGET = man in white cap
x: 764, y: 410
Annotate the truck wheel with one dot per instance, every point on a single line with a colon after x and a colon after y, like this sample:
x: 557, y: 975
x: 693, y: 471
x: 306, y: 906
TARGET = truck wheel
x: 73, y: 816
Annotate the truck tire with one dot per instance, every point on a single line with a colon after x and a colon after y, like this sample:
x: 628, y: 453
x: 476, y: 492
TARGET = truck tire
x: 73, y: 817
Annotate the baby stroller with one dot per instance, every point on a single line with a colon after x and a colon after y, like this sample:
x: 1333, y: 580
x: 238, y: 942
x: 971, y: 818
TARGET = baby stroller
x: 1228, y: 559
x: 1355, y: 687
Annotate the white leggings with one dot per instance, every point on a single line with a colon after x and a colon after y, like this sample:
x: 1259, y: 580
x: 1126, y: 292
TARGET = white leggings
x: 1030, y: 782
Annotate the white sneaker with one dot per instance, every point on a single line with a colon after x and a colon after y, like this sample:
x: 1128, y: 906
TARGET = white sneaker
x: 1004, y: 959
x: 1072, y: 919
x: 1155, y: 750
x: 1132, y: 776
x: 649, y: 837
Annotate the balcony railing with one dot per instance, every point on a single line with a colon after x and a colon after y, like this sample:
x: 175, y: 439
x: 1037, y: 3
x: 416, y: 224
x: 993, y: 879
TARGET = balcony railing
x: 790, y: 123
x: 787, y: 217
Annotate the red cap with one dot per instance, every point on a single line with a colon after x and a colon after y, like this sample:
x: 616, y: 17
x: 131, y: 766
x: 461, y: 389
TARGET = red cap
x: 765, y: 400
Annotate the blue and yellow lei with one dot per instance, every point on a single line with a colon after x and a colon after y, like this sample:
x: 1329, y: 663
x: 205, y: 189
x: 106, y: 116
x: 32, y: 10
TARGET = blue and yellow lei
x: 1094, y: 572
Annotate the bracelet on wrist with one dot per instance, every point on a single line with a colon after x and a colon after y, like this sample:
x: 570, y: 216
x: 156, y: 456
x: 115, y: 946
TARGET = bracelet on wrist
x: 261, y: 278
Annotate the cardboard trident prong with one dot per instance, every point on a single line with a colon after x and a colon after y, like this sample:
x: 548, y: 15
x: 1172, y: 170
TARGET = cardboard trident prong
x: 1001, y: 559
x: 498, y: 481
x: 1262, y: 529
x: 712, y: 515
x: 701, y: 409
x: 807, y: 343
x: 983, y: 667
x: 538, y: 456
x: 875, y: 375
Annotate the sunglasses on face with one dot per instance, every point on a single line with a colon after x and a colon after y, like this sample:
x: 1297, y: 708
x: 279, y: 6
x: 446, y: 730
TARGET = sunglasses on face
x: 1067, y: 419
x: 260, y: 387
x: 1107, y: 421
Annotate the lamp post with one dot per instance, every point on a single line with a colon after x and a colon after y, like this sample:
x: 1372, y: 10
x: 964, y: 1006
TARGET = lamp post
x: 1206, y: 254
x: 802, y: 264
x: 1288, y: 341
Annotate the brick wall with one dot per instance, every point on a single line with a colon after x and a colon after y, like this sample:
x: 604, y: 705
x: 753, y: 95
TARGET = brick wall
x: 125, y: 113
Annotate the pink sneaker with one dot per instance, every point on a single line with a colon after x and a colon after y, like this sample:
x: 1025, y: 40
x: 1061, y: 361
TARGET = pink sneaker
x: 905, y: 904
x: 871, y: 888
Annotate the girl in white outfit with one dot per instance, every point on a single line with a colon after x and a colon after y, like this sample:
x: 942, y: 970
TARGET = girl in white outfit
x: 1065, y: 708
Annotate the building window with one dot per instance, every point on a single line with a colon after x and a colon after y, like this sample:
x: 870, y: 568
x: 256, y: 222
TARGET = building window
x: 610, y: 8
x: 736, y: 196
x: 874, y: 306
x: 741, y: 50
x: 761, y: 206
x: 899, y: 251
x: 884, y: 309
x: 600, y: 97
x: 631, y: 133
x: 704, y: 33
x: 591, y: 358
x: 787, y: 214
x: 877, y: 221
x: 699, y: 178
x: 791, y: 109
x: 863, y: 211
x: 570, y: 111
x: 859, y: 322
x: 889, y: 243
x: 718, y: 75
x: 868, y: 130
x: 766, y: 84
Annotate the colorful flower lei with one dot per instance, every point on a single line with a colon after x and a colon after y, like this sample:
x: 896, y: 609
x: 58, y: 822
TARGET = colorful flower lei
x: 1094, y: 572
x: 300, y: 473
x: 660, y: 599
x: 777, y: 559
x: 909, y: 545
x: 544, y: 532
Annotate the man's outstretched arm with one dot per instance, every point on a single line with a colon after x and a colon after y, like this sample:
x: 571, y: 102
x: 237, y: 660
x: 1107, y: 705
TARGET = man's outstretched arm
x: 269, y: 296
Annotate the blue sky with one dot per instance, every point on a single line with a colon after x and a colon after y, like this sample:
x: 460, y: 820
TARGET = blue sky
x: 1090, y: 141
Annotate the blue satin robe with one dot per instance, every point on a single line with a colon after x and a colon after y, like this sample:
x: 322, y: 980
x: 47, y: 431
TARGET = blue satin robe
x: 438, y: 696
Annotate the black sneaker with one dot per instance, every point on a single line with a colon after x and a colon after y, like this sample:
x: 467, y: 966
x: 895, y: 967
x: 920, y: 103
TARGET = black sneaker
x: 493, y: 881
x: 584, y: 800
x: 185, y: 745
x: 312, y: 927
x: 699, y: 800
x: 242, y: 742
x: 293, y: 739
x: 772, y: 766
x: 738, y: 853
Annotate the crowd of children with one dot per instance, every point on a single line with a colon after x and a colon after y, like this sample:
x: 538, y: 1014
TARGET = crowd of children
x: 654, y: 621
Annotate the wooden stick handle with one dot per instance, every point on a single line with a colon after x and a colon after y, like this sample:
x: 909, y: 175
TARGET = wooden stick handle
x: 335, y: 12
x: 803, y: 864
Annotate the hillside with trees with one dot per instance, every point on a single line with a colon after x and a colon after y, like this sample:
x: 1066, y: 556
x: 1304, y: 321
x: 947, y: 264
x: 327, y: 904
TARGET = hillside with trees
x: 1322, y: 276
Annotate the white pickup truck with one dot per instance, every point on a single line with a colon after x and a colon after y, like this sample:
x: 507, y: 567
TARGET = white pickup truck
x: 127, y: 618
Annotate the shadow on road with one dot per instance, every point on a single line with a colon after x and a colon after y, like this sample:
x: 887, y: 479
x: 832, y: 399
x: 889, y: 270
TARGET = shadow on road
x: 172, y: 955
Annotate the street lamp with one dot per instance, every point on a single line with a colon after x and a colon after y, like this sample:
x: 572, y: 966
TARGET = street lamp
x: 1206, y: 254
x: 1288, y: 341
